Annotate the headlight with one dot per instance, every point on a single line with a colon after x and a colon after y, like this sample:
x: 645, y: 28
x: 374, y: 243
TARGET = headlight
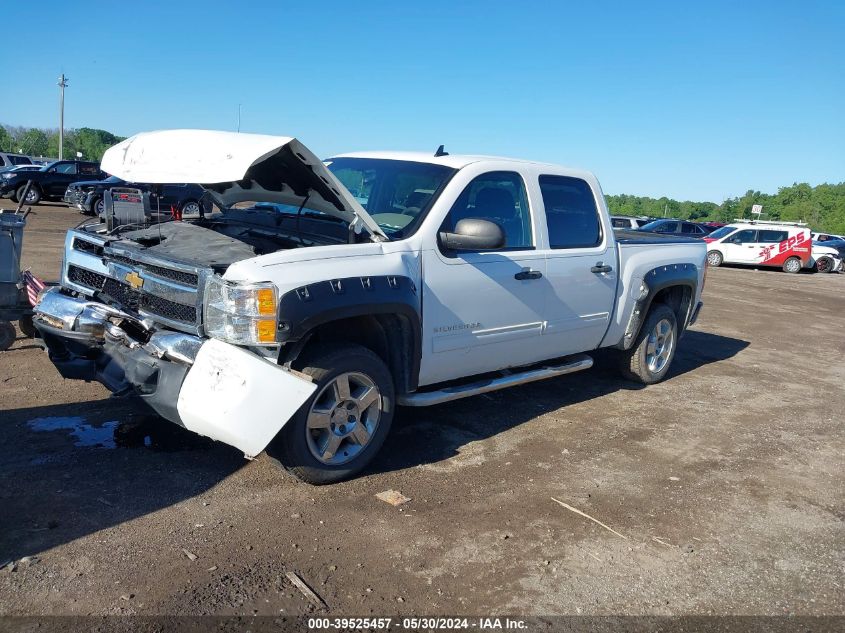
x: 242, y: 314
x: 7, y: 175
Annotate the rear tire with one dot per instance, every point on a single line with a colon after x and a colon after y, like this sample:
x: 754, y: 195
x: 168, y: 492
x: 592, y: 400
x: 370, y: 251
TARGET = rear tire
x: 98, y: 206
x: 339, y: 430
x: 714, y: 259
x: 26, y: 326
x: 651, y: 355
x: 792, y: 265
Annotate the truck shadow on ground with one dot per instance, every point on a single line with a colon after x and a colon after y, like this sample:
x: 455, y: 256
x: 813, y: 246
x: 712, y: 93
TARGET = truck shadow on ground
x: 74, y: 469
x: 434, y: 434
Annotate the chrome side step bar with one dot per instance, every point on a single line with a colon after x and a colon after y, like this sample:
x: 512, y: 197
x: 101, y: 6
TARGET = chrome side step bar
x: 507, y: 379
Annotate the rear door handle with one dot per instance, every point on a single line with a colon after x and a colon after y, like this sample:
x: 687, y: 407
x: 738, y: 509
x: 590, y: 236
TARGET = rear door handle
x: 601, y: 267
x: 528, y: 274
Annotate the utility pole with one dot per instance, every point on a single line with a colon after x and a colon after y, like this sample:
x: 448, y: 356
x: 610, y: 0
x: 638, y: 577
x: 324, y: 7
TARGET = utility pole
x: 239, y: 117
x: 62, y: 85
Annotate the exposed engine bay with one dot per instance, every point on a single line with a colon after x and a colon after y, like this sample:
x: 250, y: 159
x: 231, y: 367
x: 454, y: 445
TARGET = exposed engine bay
x: 221, y: 239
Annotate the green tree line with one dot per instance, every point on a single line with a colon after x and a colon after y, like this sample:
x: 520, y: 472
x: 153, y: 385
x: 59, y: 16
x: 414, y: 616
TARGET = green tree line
x: 822, y: 206
x: 44, y: 142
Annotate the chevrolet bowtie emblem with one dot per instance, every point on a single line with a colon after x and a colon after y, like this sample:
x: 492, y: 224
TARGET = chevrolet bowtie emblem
x: 134, y: 279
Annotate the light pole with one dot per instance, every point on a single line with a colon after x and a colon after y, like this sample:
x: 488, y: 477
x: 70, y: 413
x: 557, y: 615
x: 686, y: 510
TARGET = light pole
x: 239, y: 117
x: 62, y: 85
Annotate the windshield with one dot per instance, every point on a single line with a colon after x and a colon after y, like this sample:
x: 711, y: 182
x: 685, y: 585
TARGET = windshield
x: 396, y: 193
x: 722, y: 232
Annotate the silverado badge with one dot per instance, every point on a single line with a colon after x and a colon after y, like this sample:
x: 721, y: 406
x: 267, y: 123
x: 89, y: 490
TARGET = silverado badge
x: 134, y: 279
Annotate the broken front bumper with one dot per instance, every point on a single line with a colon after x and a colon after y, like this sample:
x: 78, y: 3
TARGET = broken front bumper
x: 210, y: 387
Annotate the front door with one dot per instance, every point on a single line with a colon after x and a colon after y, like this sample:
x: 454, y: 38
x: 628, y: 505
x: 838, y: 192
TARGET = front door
x: 742, y: 247
x: 483, y: 311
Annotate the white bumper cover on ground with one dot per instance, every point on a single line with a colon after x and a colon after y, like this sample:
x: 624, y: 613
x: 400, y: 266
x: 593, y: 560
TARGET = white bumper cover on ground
x: 233, y: 396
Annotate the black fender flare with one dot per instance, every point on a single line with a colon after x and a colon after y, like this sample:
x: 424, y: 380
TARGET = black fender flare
x: 655, y: 280
x: 304, y: 309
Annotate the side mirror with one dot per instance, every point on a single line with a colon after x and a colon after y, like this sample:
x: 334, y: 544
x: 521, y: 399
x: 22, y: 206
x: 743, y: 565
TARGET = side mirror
x: 474, y: 234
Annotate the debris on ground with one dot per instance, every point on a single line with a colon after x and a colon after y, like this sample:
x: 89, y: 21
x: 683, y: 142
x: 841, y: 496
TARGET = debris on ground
x: 393, y: 497
x: 191, y: 556
x: 306, y: 591
x: 587, y: 516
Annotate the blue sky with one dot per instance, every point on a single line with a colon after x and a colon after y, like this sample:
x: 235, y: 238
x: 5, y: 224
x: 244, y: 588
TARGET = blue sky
x: 695, y: 101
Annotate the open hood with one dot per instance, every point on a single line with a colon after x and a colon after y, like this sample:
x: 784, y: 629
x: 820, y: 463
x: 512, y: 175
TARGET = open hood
x: 236, y: 167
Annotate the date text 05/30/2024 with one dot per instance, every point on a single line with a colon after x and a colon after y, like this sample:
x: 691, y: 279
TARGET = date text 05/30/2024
x: 417, y: 623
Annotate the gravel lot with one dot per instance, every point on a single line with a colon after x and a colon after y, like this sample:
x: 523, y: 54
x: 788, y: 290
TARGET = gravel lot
x: 726, y: 483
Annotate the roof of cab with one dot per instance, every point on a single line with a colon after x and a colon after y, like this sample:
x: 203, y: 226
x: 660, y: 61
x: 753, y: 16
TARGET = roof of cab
x: 455, y: 161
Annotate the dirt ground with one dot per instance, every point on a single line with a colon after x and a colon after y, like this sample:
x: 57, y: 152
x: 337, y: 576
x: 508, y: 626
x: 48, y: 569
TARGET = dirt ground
x: 725, y: 484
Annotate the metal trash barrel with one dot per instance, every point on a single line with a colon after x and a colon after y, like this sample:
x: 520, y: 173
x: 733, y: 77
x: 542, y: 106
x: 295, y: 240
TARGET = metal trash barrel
x: 11, y: 246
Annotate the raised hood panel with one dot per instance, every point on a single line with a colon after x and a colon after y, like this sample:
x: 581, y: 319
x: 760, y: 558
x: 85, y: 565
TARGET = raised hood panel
x: 236, y: 167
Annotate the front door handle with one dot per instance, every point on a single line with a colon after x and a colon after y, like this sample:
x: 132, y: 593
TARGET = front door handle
x: 601, y: 267
x: 528, y: 274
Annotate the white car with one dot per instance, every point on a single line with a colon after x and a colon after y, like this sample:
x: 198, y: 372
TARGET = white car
x: 760, y: 243
x: 626, y: 222
x: 298, y: 325
x: 824, y: 259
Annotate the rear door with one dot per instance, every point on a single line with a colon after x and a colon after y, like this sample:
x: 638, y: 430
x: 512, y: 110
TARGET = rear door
x: 580, y: 264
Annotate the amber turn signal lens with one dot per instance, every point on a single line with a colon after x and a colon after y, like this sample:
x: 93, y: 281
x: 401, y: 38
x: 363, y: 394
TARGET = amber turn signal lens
x: 266, y: 301
x: 265, y: 330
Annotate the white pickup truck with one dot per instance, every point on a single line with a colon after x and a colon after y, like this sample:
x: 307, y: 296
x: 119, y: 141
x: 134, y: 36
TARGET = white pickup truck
x: 311, y: 298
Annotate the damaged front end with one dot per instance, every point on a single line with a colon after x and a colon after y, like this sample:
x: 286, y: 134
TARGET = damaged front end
x: 205, y: 385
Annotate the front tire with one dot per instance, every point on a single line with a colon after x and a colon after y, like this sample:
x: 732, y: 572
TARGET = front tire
x: 339, y: 430
x: 792, y: 265
x: 7, y: 335
x: 651, y: 355
x: 823, y: 264
x: 714, y: 259
x: 33, y: 196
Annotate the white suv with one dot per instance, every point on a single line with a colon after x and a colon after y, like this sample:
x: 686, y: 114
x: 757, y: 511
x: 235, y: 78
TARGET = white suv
x: 760, y: 243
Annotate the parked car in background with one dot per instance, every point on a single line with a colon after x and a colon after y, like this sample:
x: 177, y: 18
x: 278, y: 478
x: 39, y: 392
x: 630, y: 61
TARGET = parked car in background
x: 760, y: 243
x: 88, y: 196
x: 826, y: 258
x: 713, y: 225
x: 9, y: 160
x: 48, y: 183
x: 626, y: 222
x: 300, y: 331
x: 676, y: 227
x: 824, y: 237
x: 18, y: 168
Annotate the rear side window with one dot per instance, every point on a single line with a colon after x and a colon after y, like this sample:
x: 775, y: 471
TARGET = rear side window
x: 771, y: 237
x: 20, y: 160
x: 89, y: 170
x: 620, y: 223
x: 571, y: 213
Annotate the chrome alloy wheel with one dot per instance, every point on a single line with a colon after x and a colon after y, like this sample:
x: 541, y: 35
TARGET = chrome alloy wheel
x: 793, y: 265
x: 343, y: 418
x: 31, y: 196
x: 661, y: 343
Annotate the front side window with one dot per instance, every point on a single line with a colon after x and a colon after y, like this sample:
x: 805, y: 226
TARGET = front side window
x: 722, y: 232
x: 65, y: 168
x: 745, y: 237
x: 661, y: 227
x: 396, y: 193
x: 771, y: 237
x: 571, y: 214
x: 498, y: 196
